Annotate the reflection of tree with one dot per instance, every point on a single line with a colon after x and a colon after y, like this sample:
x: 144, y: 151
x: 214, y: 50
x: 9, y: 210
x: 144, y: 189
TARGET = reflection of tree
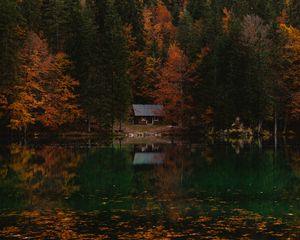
x: 295, y: 162
x: 106, y: 171
x: 47, y: 171
x: 169, y: 175
x: 169, y: 179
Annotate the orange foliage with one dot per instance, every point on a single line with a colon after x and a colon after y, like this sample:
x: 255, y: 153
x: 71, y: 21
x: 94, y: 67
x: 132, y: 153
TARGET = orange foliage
x: 208, y: 116
x: 44, y: 92
x: 291, y: 73
x: 35, y: 63
x: 283, y: 18
x: 128, y: 33
x: 226, y: 19
x: 172, y: 79
x: 59, y: 104
x: 158, y: 26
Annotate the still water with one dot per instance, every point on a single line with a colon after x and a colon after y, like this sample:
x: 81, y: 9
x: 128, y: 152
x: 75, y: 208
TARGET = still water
x: 150, y: 191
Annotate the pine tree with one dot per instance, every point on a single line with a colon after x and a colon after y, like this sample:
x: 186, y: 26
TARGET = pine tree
x: 31, y: 11
x: 53, y: 16
x: 117, y: 94
x: 131, y: 12
x: 294, y: 12
x: 11, y: 35
x: 197, y: 8
x: 85, y: 52
x: 189, y: 35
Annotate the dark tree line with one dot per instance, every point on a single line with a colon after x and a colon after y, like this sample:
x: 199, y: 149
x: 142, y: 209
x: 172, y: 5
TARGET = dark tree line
x: 222, y: 58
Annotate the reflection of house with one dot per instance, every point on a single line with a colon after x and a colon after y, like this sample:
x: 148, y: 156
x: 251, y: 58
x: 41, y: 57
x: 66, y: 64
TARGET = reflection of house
x: 147, y: 114
x: 148, y: 155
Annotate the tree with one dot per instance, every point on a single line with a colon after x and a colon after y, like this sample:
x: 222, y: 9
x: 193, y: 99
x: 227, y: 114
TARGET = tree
x: 59, y: 105
x: 115, y: 60
x: 36, y: 62
x: 11, y: 36
x: 171, y: 87
x: 45, y: 90
x: 54, y: 17
x: 290, y: 74
x: 84, y: 48
x: 189, y: 34
x: 159, y: 29
x: 131, y: 13
x: 293, y: 11
x: 197, y: 8
x: 31, y: 11
x: 136, y: 66
x: 254, y: 37
x: 11, y: 39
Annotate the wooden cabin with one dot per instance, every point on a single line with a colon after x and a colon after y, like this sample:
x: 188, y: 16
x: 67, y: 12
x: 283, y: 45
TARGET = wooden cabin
x: 148, y: 114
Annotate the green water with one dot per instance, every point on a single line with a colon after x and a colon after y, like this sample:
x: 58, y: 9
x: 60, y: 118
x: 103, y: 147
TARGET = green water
x: 154, y: 191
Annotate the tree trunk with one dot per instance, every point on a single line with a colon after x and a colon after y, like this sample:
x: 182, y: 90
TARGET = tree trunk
x: 285, y: 124
x: 120, y: 126
x: 259, y: 143
x: 259, y: 127
x: 275, y: 129
x: 25, y: 135
x: 88, y: 124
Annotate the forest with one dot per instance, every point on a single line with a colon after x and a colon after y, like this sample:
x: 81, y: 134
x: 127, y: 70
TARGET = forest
x: 65, y: 63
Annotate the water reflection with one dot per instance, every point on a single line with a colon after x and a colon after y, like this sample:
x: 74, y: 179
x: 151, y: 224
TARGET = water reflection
x: 148, y: 154
x: 150, y: 191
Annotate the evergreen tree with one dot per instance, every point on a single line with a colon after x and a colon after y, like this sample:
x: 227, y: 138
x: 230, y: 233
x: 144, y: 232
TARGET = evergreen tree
x: 85, y: 52
x: 197, y: 8
x: 294, y: 12
x: 189, y: 35
x: 255, y: 38
x: 131, y: 12
x: 11, y: 35
x: 115, y: 59
x: 31, y: 11
x: 53, y: 17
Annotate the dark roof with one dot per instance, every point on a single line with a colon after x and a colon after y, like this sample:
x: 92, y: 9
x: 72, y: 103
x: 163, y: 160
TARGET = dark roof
x: 147, y: 110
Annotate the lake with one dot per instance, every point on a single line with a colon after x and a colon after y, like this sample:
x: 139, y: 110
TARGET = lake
x: 150, y: 191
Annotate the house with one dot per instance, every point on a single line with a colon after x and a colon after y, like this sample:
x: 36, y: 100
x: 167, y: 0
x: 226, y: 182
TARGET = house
x: 147, y: 114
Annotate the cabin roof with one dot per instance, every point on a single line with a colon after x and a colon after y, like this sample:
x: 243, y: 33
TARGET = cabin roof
x: 148, y: 110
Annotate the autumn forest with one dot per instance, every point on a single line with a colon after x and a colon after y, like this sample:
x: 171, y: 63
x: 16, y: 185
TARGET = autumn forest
x: 65, y: 63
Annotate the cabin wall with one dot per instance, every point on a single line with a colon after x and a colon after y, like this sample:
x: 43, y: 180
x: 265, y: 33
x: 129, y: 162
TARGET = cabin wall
x: 147, y: 120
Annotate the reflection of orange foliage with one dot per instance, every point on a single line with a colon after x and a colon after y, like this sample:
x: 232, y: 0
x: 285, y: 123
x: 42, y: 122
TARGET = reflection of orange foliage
x: 208, y: 116
x: 208, y: 154
x: 169, y: 180
x: 295, y: 163
x: 54, y: 164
